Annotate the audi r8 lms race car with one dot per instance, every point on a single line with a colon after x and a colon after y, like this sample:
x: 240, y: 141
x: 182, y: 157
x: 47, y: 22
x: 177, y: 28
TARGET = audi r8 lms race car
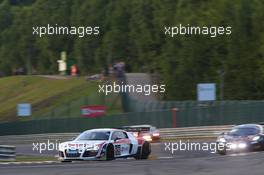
x: 241, y: 138
x: 147, y: 132
x: 104, y: 144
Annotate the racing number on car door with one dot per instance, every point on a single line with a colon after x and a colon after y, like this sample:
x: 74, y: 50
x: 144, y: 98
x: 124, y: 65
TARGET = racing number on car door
x: 125, y: 145
x: 117, y: 144
x: 117, y: 149
x: 121, y: 143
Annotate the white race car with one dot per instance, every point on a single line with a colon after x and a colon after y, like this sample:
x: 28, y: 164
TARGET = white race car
x: 104, y: 144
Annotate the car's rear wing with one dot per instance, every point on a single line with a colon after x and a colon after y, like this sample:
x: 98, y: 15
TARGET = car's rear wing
x: 135, y: 129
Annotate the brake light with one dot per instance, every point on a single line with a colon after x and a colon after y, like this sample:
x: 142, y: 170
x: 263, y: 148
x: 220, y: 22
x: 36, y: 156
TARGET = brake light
x: 147, y: 137
x: 156, y: 134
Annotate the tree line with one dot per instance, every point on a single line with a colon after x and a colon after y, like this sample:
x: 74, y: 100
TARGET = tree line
x: 133, y: 32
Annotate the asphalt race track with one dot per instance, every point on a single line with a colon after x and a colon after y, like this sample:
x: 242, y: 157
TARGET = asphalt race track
x: 161, y: 162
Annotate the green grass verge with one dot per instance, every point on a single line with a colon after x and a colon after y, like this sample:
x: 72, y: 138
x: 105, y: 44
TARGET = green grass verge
x: 30, y: 158
x: 49, y: 96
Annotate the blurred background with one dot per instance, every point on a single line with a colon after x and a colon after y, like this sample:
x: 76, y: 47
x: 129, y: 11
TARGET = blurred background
x: 132, y: 33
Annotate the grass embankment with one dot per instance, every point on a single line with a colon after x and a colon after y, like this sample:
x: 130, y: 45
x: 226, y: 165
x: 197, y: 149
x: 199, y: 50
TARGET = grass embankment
x: 29, y: 158
x: 45, y: 94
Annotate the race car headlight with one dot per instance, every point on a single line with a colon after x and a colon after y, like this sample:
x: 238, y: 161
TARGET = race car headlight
x: 222, y: 140
x: 96, y: 147
x: 156, y: 134
x: 62, y: 146
x: 256, y: 138
x: 233, y: 146
x: 147, y: 137
x: 242, y: 145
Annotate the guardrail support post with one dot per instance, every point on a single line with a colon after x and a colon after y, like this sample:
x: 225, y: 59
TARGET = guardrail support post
x: 174, y: 117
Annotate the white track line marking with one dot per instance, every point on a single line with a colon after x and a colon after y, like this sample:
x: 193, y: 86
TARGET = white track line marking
x: 26, y: 163
x: 165, y: 157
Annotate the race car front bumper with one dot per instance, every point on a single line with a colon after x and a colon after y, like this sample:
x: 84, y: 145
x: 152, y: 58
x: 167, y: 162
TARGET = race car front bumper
x: 244, y: 146
x: 76, y: 155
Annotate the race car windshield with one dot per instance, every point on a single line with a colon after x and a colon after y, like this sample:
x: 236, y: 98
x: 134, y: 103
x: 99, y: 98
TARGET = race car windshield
x: 93, y: 136
x: 243, y: 131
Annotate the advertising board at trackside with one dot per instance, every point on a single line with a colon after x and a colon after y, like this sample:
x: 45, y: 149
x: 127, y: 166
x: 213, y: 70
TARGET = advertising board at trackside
x: 206, y: 92
x: 93, y: 111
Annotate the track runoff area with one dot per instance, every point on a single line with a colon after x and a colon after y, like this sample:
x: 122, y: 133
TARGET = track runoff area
x: 197, y: 156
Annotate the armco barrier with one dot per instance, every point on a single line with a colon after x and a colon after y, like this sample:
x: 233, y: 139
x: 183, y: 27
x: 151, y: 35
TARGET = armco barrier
x: 194, y: 113
x: 166, y: 133
x: 39, y: 138
x: 201, y: 132
x: 160, y: 119
x: 7, y: 153
x: 194, y: 132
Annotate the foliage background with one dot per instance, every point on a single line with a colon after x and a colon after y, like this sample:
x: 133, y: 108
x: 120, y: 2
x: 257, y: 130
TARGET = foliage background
x: 133, y: 31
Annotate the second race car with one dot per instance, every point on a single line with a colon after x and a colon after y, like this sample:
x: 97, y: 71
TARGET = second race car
x: 147, y: 132
x: 241, y: 138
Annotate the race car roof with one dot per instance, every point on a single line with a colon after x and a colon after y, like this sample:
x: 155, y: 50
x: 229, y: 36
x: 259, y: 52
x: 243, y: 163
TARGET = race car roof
x: 103, y: 129
x: 138, y: 126
x: 256, y: 126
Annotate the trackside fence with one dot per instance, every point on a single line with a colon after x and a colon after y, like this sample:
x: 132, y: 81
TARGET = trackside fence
x: 166, y: 133
x: 197, y: 116
x: 161, y: 119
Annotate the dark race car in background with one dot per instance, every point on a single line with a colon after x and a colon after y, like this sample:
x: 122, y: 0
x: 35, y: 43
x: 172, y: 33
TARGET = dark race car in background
x: 242, y: 138
x: 147, y: 132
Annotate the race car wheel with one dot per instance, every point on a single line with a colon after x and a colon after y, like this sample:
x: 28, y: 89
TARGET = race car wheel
x: 143, y: 152
x: 110, y: 154
x: 221, y: 152
x: 146, y: 149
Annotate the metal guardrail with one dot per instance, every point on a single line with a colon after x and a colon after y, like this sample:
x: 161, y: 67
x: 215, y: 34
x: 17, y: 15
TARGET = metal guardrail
x: 29, y: 139
x: 166, y: 133
x: 194, y: 132
x: 7, y: 153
